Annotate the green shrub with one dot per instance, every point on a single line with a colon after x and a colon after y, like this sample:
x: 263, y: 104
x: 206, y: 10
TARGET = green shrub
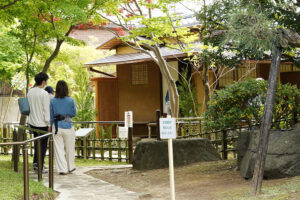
x: 188, y: 104
x: 244, y: 101
x: 84, y: 96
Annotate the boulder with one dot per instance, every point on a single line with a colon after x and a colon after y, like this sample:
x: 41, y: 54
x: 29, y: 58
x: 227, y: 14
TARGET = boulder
x: 283, y: 155
x: 154, y: 154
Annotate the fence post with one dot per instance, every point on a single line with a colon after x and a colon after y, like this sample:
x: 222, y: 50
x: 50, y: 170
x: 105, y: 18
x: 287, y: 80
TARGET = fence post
x: 51, y: 182
x: 85, y: 148
x: 157, y: 124
x: 5, y: 135
x: 224, y: 144
x: 25, y: 172
x: 15, y: 151
x: 130, y: 145
x: 119, y: 145
x: 39, y: 159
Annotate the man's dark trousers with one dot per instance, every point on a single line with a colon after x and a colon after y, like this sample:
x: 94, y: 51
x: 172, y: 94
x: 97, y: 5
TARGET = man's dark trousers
x: 44, y: 142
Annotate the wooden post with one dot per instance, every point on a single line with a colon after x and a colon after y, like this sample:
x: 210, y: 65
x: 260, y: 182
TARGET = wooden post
x: 25, y: 172
x: 157, y: 124
x: 5, y: 134
x: 127, y: 150
x: 39, y: 160
x: 130, y: 144
x: 85, y: 148
x: 94, y: 145
x: 15, y: 153
x: 101, y: 142
x: 267, y: 118
x: 119, y: 145
x: 51, y: 158
x: 1, y: 135
x: 224, y: 144
x: 110, y: 145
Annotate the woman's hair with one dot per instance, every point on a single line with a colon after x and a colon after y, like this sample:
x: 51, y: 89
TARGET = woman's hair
x: 61, y: 89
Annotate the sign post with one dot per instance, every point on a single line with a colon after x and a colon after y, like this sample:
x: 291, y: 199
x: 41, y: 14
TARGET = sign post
x: 128, y: 119
x: 168, y: 131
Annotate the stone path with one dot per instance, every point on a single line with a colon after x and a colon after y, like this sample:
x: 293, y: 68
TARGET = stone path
x: 79, y: 186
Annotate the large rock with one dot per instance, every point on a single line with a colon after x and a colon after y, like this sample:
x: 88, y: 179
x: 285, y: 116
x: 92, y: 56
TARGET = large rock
x: 283, y: 155
x: 154, y: 155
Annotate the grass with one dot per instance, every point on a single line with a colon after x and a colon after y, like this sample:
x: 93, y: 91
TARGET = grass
x: 288, y: 188
x: 11, y: 183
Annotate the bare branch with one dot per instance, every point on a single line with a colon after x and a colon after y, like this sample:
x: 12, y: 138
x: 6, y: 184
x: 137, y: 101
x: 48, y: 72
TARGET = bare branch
x: 130, y: 11
x: 115, y: 23
x: 52, y: 21
x: 138, y: 7
x: 9, y: 4
x: 128, y: 4
x: 215, y: 33
x: 290, y: 37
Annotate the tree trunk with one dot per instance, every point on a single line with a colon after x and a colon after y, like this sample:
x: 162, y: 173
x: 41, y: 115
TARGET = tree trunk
x: 174, y: 96
x: 205, y: 85
x: 53, y: 55
x: 267, y: 119
x: 59, y: 42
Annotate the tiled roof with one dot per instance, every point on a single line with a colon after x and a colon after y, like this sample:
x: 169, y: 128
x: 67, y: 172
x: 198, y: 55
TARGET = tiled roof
x: 135, y: 57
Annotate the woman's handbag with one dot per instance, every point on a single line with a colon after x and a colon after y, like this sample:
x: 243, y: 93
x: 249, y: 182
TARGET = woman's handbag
x: 24, y: 106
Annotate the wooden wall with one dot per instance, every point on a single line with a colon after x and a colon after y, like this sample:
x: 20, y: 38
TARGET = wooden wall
x: 142, y: 99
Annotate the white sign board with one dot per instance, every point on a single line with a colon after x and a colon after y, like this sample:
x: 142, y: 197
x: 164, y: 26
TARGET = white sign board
x: 83, y: 132
x: 128, y: 119
x: 167, y: 128
x: 123, y: 132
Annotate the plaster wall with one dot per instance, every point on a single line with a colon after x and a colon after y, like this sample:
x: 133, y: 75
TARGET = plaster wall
x: 13, y: 113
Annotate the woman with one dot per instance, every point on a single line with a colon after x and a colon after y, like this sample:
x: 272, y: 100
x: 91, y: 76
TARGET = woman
x: 62, y: 109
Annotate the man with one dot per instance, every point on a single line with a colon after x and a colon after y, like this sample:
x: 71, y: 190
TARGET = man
x: 39, y: 117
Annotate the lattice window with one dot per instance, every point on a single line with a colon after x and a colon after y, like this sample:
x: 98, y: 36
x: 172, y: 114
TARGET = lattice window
x: 226, y: 77
x: 285, y: 68
x: 296, y: 69
x: 139, y: 74
x: 247, y: 71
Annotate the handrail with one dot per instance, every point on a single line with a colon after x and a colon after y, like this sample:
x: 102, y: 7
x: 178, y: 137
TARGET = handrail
x: 107, y: 122
x: 31, y: 129
x: 25, y: 158
x: 12, y: 143
x: 30, y: 140
x: 39, y: 137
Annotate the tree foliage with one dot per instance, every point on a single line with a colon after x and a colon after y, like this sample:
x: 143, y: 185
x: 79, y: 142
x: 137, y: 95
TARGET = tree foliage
x: 244, y: 101
x: 36, y: 25
x: 146, y: 32
x: 11, y: 55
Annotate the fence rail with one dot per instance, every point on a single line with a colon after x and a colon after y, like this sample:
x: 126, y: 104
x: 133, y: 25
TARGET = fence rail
x: 121, y: 150
x: 16, y: 144
x: 104, y: 142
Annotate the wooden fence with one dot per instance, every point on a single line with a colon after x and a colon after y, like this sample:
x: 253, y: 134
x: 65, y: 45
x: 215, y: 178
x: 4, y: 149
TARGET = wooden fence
x: 106, y: 148
x: 104, y: 142
x: 224, y: 141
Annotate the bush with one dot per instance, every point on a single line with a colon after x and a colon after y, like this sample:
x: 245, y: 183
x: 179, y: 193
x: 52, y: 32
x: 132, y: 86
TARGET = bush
x: 244, y: 101
x: 188, y: 104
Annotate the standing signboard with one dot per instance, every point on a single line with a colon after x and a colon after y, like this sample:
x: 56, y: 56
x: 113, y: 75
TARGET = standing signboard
x: 123, y: 132
x: 128, y: 119
x: 168, y: 131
